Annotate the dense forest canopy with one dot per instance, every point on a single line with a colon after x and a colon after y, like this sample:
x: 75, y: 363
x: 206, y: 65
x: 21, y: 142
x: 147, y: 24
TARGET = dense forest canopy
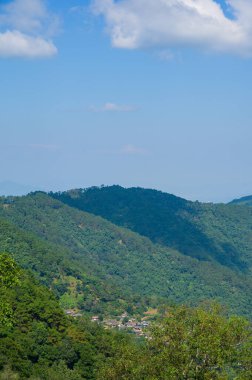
x: 90, y: 255
x: 212, y: 232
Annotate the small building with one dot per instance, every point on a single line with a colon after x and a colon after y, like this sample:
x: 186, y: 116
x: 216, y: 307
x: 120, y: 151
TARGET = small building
x: 95, y: 318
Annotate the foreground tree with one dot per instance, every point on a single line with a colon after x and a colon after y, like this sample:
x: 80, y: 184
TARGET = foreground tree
x: 188, y: 344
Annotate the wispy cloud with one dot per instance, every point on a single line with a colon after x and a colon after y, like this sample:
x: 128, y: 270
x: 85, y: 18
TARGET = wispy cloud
x: 130, y: 149
x: 125, y: 150
x: 113, y: 107
x: 26, y: 29
x: 135, y: 24
x: 166, y: 55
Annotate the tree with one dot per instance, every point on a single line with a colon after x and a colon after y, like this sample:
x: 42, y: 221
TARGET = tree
x: 9, y: 277
x: 9, y: 271
x: 188, y: 344
x: 199, y: 344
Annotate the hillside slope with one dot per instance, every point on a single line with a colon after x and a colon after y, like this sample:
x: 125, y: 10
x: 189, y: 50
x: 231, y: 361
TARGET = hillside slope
x: 244, y: 201
x: 213, y: 232
x: 38, y: 341
x: 123, y: 259
x: 62, y: 271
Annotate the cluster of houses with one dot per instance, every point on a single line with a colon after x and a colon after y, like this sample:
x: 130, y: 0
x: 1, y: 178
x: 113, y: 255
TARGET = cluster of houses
x: 73, y: 313
x: 123, y: 322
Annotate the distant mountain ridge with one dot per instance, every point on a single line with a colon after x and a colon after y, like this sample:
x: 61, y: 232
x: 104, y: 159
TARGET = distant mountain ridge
x: 243, y: 201
x: 209, y: 232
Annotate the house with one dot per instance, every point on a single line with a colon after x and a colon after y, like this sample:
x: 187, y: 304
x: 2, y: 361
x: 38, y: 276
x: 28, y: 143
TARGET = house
x: 111, y: 323
x: 95, y: 318
x: 73, y: 313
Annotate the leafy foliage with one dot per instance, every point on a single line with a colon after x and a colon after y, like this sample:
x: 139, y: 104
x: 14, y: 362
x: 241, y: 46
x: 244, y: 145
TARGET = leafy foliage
x: 42, y: 343
x: 9, y: 274
x: 187, y: 344
x: 59, y: 268
x: 9, y: 271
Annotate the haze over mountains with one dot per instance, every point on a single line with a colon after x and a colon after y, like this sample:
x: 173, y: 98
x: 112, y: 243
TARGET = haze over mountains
x: 101, y: 248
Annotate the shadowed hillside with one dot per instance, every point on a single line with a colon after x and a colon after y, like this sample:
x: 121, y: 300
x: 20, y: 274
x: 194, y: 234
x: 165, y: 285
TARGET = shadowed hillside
x: 220, y: 233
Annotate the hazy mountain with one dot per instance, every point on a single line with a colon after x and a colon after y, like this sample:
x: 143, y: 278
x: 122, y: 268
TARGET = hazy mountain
x: 243, y: 201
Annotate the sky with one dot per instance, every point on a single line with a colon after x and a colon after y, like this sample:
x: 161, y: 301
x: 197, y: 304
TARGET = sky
x: 150, y: 93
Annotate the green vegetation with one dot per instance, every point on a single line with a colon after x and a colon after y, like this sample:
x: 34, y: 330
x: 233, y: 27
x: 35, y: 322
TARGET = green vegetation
x: 9, y: 274
x: 60, y: 269
x: 244, y: 201
x: 219, y: 233
x: 100, y: 267
x: 42, y: 343
x: 172, y: 252
x: 187, y: 344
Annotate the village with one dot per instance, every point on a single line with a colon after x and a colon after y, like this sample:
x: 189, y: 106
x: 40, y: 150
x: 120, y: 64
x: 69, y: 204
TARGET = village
x: 122, y: 322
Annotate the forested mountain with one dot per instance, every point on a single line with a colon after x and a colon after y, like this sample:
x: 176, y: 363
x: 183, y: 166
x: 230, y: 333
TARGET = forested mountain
x: 246, y: 201
x: 210, y: 232
x: 64, y: 271
x: 91, y: 262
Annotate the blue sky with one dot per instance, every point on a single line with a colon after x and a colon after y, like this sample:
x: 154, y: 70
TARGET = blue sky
x: 130, y: 92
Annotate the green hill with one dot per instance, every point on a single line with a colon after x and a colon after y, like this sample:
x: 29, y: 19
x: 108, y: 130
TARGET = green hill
x: 121, y: 261
x: 210, y: 232
x: 246, y: 201
x: 63, y: 271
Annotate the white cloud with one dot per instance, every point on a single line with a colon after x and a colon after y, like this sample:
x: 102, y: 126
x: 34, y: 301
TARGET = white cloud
x: 117, y: 107
x: 26, y: 28
x: 24, y: 15
x: 17, y: 44
x: 136, y: 24
x: 113, y: 107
